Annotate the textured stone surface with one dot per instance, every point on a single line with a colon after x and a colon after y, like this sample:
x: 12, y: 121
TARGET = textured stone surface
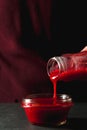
x: 12, y: 117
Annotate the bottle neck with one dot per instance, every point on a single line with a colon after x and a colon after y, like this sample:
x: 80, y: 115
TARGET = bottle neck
x: 56, y: 65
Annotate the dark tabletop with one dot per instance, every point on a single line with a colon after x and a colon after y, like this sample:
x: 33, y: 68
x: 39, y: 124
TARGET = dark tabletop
x: 12, y: 117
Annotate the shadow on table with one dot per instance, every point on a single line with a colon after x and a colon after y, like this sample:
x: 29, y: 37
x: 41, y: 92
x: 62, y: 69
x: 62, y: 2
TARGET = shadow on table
x: 72, y: 124
x: 76, y: 123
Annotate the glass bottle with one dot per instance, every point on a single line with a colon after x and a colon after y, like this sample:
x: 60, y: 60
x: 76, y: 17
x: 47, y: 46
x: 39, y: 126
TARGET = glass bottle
x: 67, y: 62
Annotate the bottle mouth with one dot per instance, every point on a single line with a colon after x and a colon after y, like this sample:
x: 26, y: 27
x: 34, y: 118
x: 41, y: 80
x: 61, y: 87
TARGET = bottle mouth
x: 52, y: 66
x: 45, y: 100
x: 56, y: 65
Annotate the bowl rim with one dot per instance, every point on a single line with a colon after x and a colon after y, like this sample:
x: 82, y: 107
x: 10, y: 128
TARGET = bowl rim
x: 29, y: 102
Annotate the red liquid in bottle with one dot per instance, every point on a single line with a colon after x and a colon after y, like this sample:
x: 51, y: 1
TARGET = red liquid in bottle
x: 80, y: 74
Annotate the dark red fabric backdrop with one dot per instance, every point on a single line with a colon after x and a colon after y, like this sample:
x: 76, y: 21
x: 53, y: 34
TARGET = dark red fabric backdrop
x: 22, y: 71
x: 32, y: 31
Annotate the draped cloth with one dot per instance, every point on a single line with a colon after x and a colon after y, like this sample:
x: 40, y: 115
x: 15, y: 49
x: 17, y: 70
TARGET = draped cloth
x: 22, y: 71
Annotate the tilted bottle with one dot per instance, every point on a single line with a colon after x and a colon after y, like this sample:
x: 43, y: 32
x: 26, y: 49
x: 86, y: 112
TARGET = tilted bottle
x: 68, y: 62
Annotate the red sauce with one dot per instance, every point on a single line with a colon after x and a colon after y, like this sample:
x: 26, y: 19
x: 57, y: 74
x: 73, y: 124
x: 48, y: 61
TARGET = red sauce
x: 45, y: 112
x: 80, y: 74
x: 52, y: 110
